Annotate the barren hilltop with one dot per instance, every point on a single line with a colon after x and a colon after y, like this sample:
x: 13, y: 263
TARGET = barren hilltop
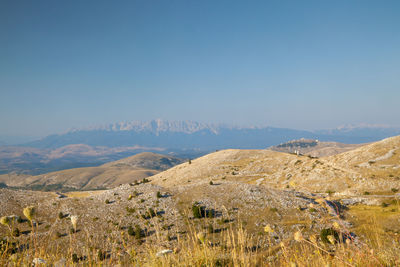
x: 372, y: 167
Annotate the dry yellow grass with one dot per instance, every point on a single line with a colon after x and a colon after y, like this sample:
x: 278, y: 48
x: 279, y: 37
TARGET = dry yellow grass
x: 83, y: 194
x: 234, y: 247
x: 383, y: 218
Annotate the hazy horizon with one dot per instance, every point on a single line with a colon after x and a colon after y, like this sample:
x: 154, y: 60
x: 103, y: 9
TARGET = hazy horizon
x: 21, y: 139
x: 301, y: 65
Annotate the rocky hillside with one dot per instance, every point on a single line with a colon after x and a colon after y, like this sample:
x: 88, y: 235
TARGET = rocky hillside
x: 372, y: 167
x: 261, y: 196
x: 164, y: 216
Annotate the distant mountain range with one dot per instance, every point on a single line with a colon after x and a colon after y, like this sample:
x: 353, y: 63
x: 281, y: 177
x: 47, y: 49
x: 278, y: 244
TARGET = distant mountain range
x: 201, y: 136
x: 184, y: 139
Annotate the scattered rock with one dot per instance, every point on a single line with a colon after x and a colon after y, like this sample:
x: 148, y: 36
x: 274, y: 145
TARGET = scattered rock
x: 38, y: 261
x: 60, y: 263
x: 163, y: 252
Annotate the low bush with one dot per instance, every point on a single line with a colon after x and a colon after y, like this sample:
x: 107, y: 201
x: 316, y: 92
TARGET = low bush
x: 325, y: 233
x: 198, y: 211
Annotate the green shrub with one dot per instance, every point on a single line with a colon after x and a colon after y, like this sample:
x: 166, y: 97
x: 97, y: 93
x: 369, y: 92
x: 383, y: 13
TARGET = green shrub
x: 130, y: 210
x: 75, y: 258
x: 330, y: 192
x: 107, y: 201
x: 150, y: 213
x: 222, y: 221
x: 395, y: 190
x: 138, y: 232
x: 327, y: 232
x: 57, y: 234
x: 159, y: 194
x: 198, y: 211
x: 101, y: 255
x: 211, y: 183
x: 210, y: 229
x: 60, y: 215
x: 16, y: 232
x: 210, y: 214
x: 130, y: 231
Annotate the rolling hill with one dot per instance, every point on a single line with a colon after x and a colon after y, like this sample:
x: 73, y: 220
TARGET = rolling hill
x: 369, y: 167
x: 34, y: 161
x: 372, y: 167
x: 108, y: 175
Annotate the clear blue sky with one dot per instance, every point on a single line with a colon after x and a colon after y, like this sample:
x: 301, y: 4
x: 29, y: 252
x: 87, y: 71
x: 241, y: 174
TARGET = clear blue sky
x: 296, y: 64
